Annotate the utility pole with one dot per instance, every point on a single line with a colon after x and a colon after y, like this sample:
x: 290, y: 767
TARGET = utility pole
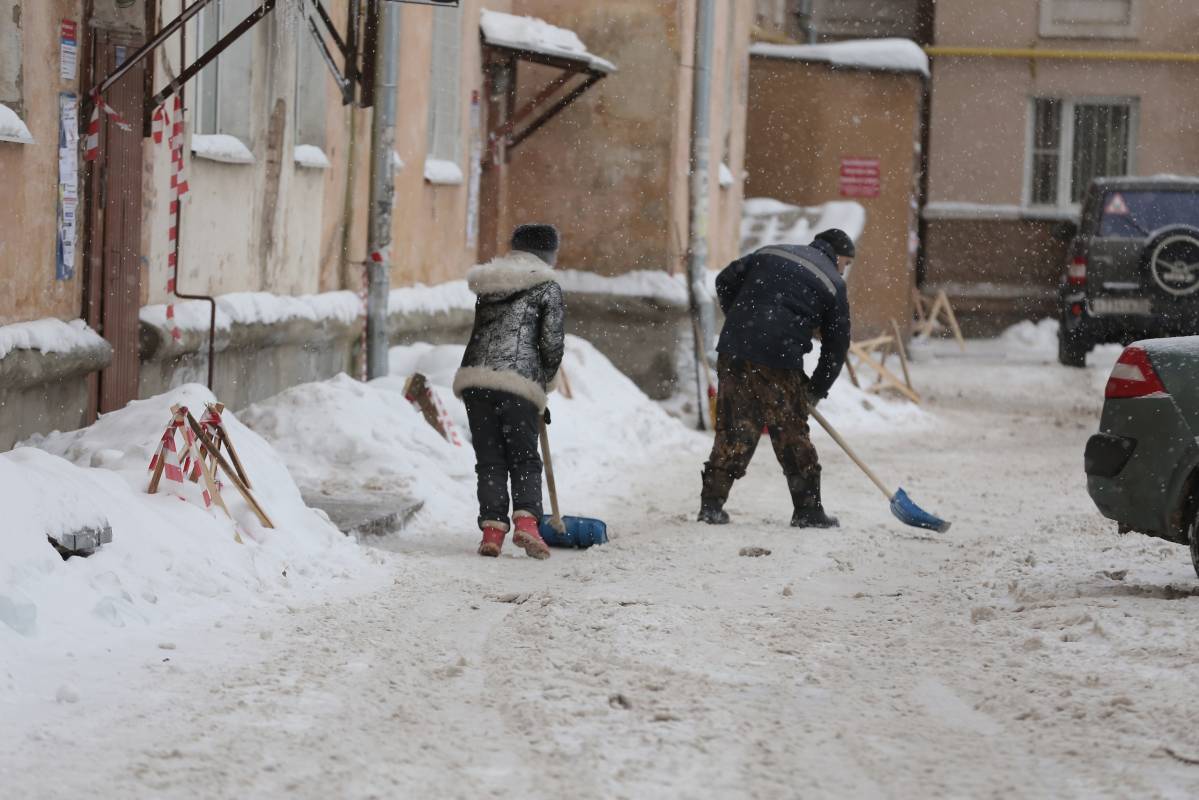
x: 382, y: 190
x: 701, y: 138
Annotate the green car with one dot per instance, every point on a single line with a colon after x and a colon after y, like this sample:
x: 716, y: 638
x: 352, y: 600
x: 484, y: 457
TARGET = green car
x: 1143, y: 465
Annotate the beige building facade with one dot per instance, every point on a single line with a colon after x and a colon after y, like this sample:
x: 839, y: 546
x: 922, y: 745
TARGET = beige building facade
x: 278, y: 174
x: 1030, y: 100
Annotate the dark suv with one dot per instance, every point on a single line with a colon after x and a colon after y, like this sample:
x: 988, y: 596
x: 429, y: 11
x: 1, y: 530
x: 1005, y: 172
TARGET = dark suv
x: 1132, y: 269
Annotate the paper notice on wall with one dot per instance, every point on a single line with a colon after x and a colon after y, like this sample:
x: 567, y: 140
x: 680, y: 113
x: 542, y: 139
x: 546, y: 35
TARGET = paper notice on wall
x: 69, y: 50
x: 68, y: 186
x: 860, y: 177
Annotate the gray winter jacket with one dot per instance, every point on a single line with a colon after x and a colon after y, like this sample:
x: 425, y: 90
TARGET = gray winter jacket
x: 518, y: 339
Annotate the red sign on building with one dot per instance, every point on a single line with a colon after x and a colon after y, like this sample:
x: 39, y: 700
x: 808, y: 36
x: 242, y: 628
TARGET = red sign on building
x: 860, y: 177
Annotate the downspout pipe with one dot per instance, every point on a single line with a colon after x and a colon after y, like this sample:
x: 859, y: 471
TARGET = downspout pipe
x: 701, y: 144
x: 382, y: 191
x: 1047, y: 54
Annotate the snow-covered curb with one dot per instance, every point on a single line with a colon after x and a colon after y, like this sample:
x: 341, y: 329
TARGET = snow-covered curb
x: 49, y: 336
x: 257, y: 308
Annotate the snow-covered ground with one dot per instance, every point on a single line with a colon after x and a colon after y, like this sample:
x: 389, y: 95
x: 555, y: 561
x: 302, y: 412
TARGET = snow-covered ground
x: 1031, y: 651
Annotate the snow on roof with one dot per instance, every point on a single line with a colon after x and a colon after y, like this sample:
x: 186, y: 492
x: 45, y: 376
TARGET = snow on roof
x: 538, y: 36
x: 892, y: 55
x: 766, y: 221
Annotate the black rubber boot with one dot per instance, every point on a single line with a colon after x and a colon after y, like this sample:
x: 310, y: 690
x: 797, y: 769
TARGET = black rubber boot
x: 716, y: 486
x: 805, y: 494
x: 712, y: 512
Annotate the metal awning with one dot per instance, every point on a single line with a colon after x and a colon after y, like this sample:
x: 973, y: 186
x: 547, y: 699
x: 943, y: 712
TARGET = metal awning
x: 502, y: 51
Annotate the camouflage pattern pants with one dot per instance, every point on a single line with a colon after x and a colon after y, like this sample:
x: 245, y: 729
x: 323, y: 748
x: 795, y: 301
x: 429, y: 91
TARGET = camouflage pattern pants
x: 750, y: 397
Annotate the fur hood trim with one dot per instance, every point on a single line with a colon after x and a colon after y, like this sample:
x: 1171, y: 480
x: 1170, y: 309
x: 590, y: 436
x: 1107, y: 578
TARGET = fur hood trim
x: 514, y: 272
x: 503, y: 381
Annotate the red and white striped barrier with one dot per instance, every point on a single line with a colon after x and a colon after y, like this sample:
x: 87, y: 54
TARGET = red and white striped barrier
x: 161, y: 120
x: 91, y: 150
x: 183, y: 465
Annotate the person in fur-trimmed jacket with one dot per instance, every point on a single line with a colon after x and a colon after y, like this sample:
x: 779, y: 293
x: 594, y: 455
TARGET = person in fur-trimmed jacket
x: 509, y: 365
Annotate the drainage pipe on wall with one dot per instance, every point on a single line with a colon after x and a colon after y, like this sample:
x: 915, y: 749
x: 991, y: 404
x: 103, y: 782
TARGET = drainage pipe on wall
x: 697, y: 246
x: 382, y: 190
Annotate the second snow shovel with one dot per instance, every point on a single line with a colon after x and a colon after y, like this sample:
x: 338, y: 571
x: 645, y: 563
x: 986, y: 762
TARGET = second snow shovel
x: 902, y: 506
x: 560, y: 531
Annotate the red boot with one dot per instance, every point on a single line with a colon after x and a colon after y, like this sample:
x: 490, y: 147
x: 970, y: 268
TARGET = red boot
x: 527, y: 536
x: 493, y: 539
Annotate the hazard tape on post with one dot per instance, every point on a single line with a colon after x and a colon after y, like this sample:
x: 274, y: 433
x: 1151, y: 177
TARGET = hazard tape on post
x: 160, y: 122
x: 91, y: 149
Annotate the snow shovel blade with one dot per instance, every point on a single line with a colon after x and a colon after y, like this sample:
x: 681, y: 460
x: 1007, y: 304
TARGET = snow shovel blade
x: 909, y: 513
x: 581, y: 532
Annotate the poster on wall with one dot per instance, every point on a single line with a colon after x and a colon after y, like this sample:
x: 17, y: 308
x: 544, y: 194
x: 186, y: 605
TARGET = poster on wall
x: 68, y: 186
x: 860, y: 177
x: 68, y: 62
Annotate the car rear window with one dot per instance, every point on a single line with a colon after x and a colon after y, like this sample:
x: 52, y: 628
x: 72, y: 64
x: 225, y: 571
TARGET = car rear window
x: 1135, y: 214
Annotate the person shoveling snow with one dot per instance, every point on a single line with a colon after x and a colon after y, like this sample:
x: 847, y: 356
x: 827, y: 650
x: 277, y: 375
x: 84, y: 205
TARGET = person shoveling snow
x: 513, y: 357
x: 773, y: 299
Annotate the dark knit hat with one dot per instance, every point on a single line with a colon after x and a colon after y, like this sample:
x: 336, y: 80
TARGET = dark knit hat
x: 838, y: 240
x: 536, y: 239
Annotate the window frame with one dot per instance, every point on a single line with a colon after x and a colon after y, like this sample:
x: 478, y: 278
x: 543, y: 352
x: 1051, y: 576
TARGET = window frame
x: 1048, y: 29
x: 1065, y: 164
x: 209, y: 119
x: 445, y: 144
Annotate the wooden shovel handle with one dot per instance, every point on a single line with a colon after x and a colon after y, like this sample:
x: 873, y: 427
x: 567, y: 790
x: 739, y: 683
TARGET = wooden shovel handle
x: 556, y: 517
x: 882, y: 487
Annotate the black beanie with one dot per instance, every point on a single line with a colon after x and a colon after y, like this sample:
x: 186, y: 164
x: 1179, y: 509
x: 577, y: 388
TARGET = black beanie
x: 838, y: 240
x: 535, y: 238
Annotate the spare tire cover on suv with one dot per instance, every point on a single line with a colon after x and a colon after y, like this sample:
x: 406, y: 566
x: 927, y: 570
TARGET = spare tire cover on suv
x: 1172, y: 258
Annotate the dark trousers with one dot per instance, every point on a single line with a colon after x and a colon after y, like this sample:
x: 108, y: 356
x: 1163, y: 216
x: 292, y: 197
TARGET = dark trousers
x: 750, y: 397
x: 504, y: 429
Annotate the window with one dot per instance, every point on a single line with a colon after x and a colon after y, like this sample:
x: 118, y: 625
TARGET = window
x: 444, y: 109
x: 1103, y: 19
x: 312, y: 85
x: 1074, y: 141
x: 10, y: 54
x: 223, y: 104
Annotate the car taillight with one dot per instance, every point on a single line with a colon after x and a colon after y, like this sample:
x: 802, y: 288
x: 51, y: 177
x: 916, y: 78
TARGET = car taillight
x: 1076, y: 272
x: 1133, y: 376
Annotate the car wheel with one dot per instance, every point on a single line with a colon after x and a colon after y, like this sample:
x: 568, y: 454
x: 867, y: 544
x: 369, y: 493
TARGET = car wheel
x: 1071, y: 349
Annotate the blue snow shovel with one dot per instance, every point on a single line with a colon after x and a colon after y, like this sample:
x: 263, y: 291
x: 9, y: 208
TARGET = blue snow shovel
x: 559, y: 531
x: 902, y: 506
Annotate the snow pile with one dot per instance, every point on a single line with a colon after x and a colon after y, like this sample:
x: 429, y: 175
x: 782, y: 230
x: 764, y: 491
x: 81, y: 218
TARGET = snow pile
x: 538, y: 36
x: 1039, y: 338
x: 258, y: 308
x: 48, y: 335
x: 893, y: 55
x: 169, y: 561
x: 852, y: 409
x: 221, y: 147
x: 343, y: 438
x: 766, y: 222
x: 12, y: 129
x: 439, y: 299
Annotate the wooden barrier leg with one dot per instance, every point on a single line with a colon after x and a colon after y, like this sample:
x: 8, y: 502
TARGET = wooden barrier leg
x: 903, y: 354
x: 229, y: 471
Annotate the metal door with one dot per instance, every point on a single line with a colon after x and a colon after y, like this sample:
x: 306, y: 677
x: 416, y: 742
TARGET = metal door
x: 113, y: 244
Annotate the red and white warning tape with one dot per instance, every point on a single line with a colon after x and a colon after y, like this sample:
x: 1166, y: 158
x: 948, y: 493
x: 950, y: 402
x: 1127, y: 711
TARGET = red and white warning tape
x: 447, y: 423
x: 160, y: 120
x: 91, y: 150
